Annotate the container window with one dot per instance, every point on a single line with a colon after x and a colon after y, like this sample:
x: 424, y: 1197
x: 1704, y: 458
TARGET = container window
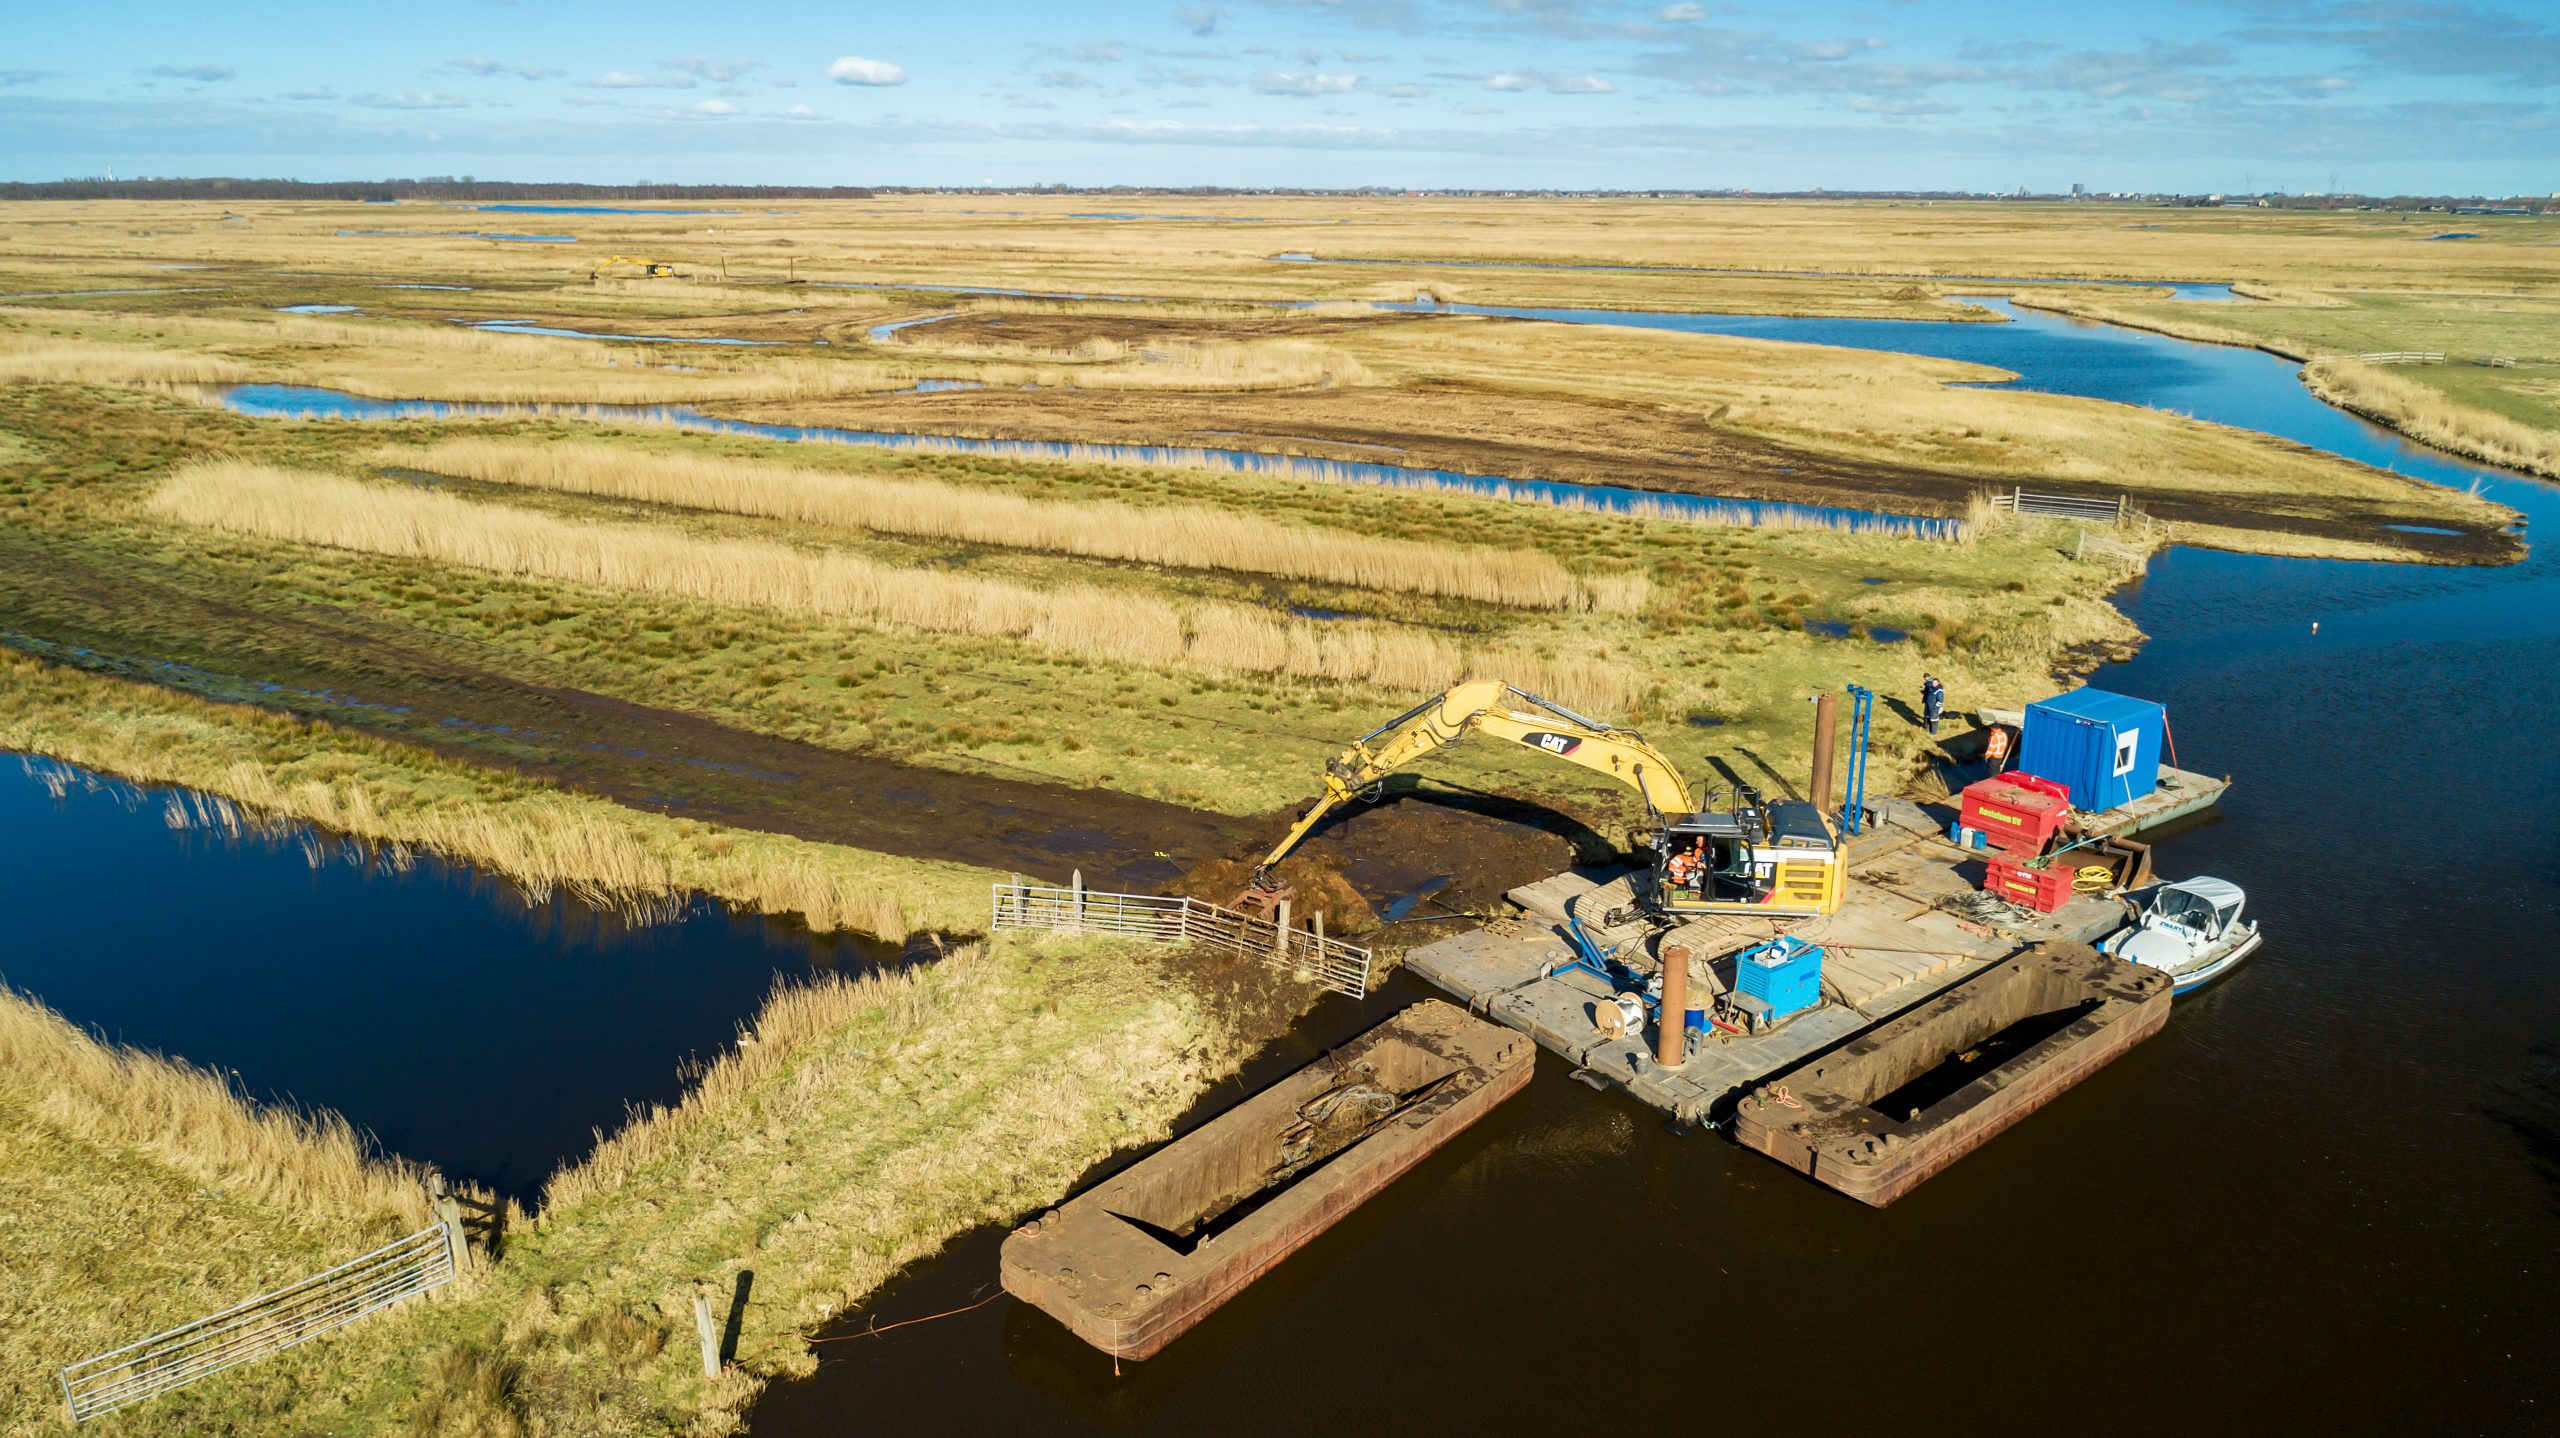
x: 2125, y: 745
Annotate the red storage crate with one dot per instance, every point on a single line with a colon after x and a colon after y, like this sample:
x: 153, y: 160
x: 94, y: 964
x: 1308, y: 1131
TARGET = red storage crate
x: 2043, y: 890
x: 2015, y: 818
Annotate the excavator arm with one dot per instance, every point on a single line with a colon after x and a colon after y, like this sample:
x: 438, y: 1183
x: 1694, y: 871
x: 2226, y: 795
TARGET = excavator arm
x: 1487, y: 706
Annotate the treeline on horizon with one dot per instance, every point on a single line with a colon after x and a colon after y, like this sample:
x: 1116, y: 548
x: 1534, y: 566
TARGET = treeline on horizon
x: 427, y: 189
x: 500, y: 191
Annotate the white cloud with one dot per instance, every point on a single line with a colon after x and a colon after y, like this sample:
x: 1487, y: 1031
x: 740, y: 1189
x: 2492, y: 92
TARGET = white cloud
x: 703, y: 67
x: 1309, y: 84
x: 854, y: 70
x: 715, y: 107
x: 1100, y: 52
x: 424, y: 100
x: 192, y: 72
x: 1201, y: 20
x: 1833, y: 49
x: 1063, y: 80
x: 320, y: 93
x: 478, y: 65
x: 617, y: 80
x: 799, y: 112
x: 1578, y: 85
x: 1507, y: 81
x: 1682, y: 13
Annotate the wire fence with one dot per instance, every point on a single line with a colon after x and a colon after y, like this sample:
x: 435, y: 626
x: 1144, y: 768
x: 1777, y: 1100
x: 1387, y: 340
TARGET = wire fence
x: 269, y: 1323
x: 1328, y: 962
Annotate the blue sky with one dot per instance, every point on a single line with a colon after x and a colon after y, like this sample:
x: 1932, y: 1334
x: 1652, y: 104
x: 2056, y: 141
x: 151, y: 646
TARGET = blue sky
x: 2384, y: 95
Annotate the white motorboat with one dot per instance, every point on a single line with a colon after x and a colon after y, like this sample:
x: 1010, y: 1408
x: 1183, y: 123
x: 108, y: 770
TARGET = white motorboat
x: 2190, y: 930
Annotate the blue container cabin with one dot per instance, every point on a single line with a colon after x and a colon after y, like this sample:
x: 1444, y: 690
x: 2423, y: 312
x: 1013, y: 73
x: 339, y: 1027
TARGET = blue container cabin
x: 2104, y: 747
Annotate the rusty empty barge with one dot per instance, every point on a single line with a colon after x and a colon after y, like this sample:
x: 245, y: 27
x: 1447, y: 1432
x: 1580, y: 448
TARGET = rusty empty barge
x: 1136, y: 1261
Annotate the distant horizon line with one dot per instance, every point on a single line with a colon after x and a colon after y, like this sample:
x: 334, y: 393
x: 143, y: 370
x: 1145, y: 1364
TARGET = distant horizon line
x: 469, y: 188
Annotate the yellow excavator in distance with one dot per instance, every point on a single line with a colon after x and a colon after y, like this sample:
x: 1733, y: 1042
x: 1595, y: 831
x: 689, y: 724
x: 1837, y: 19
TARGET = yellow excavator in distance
x: 1779, y: 859
x: 636, y: 269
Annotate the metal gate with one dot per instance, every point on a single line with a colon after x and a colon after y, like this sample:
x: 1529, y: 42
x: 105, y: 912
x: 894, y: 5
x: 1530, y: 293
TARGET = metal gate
x: 269, y: 1323
x: 1329, y: 962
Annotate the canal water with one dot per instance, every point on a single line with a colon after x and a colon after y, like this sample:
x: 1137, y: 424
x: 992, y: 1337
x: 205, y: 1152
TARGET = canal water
x: 432, y: 1005
x: 2326, y: 1198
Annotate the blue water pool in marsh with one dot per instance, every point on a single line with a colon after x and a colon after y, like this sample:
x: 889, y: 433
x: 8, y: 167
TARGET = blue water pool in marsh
x: 297, y: 402
x: 528, y: 327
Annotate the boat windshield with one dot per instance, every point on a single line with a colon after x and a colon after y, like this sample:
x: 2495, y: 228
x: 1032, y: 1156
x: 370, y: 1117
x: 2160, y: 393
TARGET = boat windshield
x: 2187, y: 911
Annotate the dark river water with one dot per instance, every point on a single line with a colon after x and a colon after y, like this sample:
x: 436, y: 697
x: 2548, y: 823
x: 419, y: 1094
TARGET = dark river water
x: 434, y: 1007
x: 2325, y: 1199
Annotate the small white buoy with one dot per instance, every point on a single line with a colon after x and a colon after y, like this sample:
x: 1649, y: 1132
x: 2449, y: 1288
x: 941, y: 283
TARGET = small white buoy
x: 2315, y: 626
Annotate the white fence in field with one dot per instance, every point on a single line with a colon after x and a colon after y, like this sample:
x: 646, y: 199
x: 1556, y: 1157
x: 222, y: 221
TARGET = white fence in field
x: 1331, y: 963
x: 268, y: 1323
x: 2068, y: 506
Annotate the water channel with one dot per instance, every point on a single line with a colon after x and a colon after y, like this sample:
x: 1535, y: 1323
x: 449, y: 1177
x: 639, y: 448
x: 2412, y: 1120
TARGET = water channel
x: 2327, y: 1197
x: 434, y: 1006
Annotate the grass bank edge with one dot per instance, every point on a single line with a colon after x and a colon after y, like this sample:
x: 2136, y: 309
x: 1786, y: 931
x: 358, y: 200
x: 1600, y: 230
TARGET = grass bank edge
x: 857, y: 1126
x: 540, y: 837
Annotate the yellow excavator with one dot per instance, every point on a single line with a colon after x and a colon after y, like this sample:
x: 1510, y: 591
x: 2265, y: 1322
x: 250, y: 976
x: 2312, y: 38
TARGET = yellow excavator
x: 1780, y: 859
x: 631, y: 269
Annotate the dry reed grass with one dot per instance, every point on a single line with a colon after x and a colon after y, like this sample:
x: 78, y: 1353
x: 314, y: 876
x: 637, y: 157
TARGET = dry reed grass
x: 196, y: 1121
x: 27, y: 359
x: 1086, y: 622
x: 2428, y: 414
x: 263, y: 771
x: 1192, y: 537
x: 793, y: 1016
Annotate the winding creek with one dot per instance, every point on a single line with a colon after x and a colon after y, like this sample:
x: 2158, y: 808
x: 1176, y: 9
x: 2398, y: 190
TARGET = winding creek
x: 2333, y: 1171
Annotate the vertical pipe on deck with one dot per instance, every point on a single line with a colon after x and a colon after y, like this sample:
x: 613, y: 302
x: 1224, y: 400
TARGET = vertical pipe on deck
x: 1671, y: 1035
x: 1826, y: 747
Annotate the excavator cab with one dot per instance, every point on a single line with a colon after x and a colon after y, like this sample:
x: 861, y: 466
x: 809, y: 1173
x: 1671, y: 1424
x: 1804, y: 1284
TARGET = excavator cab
x: 1755, y: 858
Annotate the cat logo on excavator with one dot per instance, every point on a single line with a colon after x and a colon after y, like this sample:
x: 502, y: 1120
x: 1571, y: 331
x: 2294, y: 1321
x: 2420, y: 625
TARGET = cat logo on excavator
x: 1556, y: 744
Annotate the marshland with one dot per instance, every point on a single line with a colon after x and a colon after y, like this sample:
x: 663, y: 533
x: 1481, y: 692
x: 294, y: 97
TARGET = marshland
x: 834, y: 692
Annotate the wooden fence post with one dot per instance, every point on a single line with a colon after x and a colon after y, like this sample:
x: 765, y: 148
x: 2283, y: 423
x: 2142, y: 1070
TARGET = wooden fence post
x: 2123, y: 502
x: 1280, y: 932
x: 1319, y: 917
x: 1077, y: 884
x: 710, y: 1336
x: 448, y: 1211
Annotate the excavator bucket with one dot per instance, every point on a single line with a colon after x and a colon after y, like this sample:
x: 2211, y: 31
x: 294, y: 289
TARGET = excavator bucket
x: 1262, y: 899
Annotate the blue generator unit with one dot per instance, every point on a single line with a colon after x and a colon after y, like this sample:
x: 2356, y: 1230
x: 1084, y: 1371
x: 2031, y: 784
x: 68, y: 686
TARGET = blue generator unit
x: 1781, y: 977
x: 2104, y: 748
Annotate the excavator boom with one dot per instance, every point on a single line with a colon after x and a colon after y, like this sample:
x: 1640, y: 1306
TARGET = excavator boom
x: 1765, y: 859
x: 1489, y: 706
